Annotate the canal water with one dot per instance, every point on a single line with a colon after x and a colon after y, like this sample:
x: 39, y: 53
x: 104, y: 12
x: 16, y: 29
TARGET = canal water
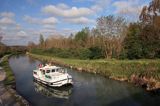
x: 88, y: 89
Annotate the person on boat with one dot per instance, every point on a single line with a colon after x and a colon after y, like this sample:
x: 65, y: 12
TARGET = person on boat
x: 40, y: 65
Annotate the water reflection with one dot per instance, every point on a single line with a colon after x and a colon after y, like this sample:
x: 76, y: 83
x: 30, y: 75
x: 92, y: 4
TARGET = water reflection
x: 62, y: 92
x: 31, y: 60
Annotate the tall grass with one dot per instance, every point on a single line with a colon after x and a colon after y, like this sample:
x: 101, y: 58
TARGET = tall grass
x: 111, y: 68
x: 10, y: 79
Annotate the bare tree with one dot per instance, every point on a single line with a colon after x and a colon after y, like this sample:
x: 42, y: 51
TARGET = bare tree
x: 41, y: 41
x: 111, y: 30
x: 31, y: 45
x: 150, y: 14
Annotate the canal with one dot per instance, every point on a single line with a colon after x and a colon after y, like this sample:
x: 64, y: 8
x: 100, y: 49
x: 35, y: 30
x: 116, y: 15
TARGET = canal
x: 88, y: 89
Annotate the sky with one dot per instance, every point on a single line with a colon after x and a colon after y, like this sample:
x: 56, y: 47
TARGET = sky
x: 22, y: 21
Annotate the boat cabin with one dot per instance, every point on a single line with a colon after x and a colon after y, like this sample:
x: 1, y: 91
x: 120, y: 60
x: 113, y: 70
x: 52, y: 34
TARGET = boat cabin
x: 51, y: 69
x: 52, y: 75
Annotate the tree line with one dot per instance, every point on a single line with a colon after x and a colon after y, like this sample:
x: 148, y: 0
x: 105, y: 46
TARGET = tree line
x: 112, y: 37
x: 4, y: 49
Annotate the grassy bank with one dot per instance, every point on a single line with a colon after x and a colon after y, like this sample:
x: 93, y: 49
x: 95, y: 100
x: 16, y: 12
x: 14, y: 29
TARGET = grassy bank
x: 10, y: 79
x: 9, y: 83
x: 142, y: 72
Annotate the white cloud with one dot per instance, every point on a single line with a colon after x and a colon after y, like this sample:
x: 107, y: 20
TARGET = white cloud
x: 45, y: 21
x: 10, y: 29
x: 80, y: 20
x: 22, y: 34
x: 32, y: 2
x: 45, y: 31
x: 50, y: 21
x: 6, y: 21
x: 7, y: 14
x: 18, y: 27
x: 6, y: 18
x: 128, y: 7
x: 100, y: 5
x: 3, y: 28
x: 68, y: 12
x: 76, y: 15
x: 2, y: 33
x: 68, y: 31
x: 62, y: 6
x: 31, y: 20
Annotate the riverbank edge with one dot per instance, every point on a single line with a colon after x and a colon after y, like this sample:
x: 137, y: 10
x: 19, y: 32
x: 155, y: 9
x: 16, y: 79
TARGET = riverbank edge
x: 10, y: 83
x: 150, y: 84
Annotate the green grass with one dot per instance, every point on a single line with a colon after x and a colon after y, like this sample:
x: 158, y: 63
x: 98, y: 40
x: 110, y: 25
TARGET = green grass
x: 10, y: 79
x: 111, y: 68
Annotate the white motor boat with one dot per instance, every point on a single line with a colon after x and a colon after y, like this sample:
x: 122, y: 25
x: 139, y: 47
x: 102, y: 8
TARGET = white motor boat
x: 52, y: 76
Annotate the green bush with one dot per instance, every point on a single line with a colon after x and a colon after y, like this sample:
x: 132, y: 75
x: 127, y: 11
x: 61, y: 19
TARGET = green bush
x: 81, y: 53
x: 95, y: 53
x: 84, y: 53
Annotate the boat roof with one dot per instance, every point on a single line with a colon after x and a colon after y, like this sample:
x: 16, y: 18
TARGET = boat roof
x: 50, y: 67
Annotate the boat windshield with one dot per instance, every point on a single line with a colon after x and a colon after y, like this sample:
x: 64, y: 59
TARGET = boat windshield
x: 61, y: 70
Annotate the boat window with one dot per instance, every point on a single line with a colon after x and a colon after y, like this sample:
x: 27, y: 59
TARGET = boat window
x: 61, y: 70
x: 35, y: 72
x: 53, y: 70
x: 48, y: 71
x: 43, y: 71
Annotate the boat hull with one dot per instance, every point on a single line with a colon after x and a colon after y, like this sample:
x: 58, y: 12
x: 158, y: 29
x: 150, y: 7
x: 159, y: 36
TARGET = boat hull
x: 59, y: 83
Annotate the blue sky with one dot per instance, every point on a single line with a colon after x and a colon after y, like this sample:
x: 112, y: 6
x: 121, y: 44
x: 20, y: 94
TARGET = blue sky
x: 23, y: 20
